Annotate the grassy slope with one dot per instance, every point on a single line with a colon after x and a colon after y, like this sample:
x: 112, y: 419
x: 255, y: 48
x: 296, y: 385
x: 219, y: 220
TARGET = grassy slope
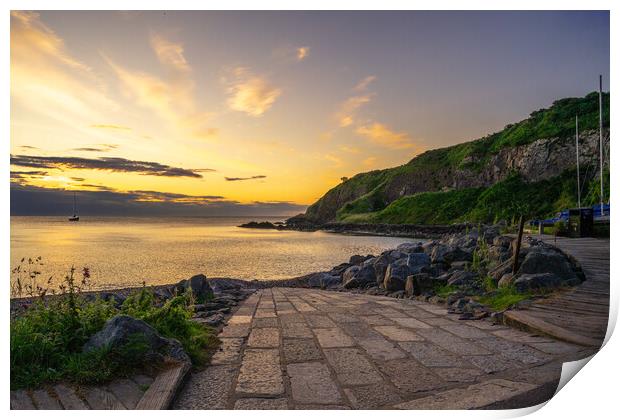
x: 371, y: 205
x: 504, y: 200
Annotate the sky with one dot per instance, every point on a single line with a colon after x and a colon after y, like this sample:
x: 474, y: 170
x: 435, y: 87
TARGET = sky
x: 261, y: 113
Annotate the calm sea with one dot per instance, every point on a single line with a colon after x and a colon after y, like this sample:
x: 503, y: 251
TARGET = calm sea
x: 126, y: 251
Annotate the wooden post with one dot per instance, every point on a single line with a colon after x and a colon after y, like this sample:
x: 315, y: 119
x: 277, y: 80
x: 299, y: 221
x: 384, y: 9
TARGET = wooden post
x: 517, y: 248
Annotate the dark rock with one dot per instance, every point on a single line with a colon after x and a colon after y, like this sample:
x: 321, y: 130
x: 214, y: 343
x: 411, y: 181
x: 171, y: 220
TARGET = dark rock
x: 527, y: 282
x: 359, y: 276
x: 226, y: 285
x: 504, y: 268
x: 447, y: 253
x: 119, y: 330
x: 459, y: 265
x: 398, y: 295
x: 418, y: 284
x: 462, y: 278
x: 544, y: 259
x: 410, y: 247
x: 396, y: 255
x: 323, y: 280
x: 490, y: 233
x: 358, y: 259
x: 339, y: 269
x: 380, y: 266
x: 199, y: 285
x: 469, y: 240
x: 417, y: 262
x: 213, y: 320
x: 396, y: 275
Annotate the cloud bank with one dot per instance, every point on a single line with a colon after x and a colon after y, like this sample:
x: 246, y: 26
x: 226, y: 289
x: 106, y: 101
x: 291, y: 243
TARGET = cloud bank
x: 112, y: 164
x: 37, y: 201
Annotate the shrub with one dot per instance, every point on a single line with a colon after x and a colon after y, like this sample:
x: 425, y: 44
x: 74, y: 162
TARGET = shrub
x: 47, y: 338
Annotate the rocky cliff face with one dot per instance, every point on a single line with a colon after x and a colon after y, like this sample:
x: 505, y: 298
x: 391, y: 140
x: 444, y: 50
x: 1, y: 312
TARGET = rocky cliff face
x: 541, y: 159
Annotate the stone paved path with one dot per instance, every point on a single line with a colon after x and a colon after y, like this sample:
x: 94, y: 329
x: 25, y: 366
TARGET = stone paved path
x: 290, y: 348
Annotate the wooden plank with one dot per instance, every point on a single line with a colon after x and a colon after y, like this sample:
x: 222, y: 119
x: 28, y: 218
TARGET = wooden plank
x: 20, y: 400
x: 127, y: 391
x: 537, y: 325
x: 69, y: 399
x: 101, y: 399
x: 44, y: 401
x: 160, y: 394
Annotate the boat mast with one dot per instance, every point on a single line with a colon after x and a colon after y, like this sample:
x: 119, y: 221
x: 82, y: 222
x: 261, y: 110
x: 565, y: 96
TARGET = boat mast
x: 74, y: 203
x: 600, y: 132
x: 577, y: 150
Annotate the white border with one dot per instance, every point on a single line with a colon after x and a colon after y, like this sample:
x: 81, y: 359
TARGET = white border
x: 591, y: 395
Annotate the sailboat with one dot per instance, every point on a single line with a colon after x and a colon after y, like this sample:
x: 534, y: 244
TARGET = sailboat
x: 75, y: 217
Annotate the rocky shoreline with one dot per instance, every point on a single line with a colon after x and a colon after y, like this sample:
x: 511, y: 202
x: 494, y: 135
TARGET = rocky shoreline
x: 400, y: 230
x: 459, y: 271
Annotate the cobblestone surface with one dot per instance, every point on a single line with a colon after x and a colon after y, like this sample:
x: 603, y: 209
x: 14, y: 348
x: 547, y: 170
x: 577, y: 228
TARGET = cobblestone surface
x: 313, y: 349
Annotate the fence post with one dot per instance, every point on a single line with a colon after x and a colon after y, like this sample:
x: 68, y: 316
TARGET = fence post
x: 517, y: 247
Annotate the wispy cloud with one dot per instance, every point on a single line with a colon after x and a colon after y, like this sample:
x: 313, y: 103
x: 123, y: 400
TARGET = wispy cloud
x: 47, y: 80
x: 110, y: 127
x: 250, y: 93
x: 380, y: 134
x: 244, y: 179
x: 97, y: 148
x: 363, y: 84
x: 302, y: 53
x: 113, y: 164
x: 347, y: 111
x: 172, y: 97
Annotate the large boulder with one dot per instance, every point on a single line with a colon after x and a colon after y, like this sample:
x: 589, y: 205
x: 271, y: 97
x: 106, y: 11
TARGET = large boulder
x: 396, y: 255
x: 122, y: 329
x: 447, y: 253
x: 358, y: 259
x: 198, y: 284
x: 468, y: 240
x: 527, y: 282
x: 418, y: 284
x: 323, y: 281
x: 339, y: 269
x: 396, y: 275
x: 462, y: 278
x: 380, y: 266
x: 545, y: 259
x: 359, y: 276
x: 417, y: 262
x: 410, y: 247
x: 490, y: 233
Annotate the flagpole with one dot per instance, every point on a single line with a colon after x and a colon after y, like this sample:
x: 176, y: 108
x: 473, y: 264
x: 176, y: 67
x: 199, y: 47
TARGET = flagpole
x: 600, y: 131
x: 577, y: 151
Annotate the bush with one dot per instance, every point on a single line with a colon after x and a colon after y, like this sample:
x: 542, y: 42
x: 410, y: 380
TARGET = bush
x: 47, y: 338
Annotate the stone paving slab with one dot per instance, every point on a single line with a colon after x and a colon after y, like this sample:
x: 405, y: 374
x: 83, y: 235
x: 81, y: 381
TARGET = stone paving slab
x: 316, y: 349
x: 311, y: 384
x: 260, y: 373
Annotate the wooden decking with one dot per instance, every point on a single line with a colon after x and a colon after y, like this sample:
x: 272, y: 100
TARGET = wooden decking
x: 580, y: 314
x: 140, y: 392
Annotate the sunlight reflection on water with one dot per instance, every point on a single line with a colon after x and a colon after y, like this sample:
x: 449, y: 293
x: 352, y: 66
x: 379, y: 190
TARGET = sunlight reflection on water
x: 126, y: 251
